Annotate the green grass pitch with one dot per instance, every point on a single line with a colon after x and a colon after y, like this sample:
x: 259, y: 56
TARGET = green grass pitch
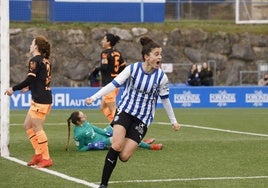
x: 227, y: 154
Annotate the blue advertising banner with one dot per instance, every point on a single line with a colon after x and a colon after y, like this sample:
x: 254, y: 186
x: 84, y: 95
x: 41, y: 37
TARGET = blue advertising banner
x: 20, y: 10
x: 107, y: 10
x: 219, y: 97
x: 180, y: 97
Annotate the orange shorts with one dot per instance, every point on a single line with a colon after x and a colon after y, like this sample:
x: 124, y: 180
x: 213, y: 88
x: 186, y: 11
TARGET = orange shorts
x: 111, y: 97
x: 39, y: 111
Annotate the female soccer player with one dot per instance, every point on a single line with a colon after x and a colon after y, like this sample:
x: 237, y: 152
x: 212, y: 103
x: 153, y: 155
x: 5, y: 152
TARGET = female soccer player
x: 38, y: 81
x: 90, y: 137
x: 143, y: 83
x: 112, y: 63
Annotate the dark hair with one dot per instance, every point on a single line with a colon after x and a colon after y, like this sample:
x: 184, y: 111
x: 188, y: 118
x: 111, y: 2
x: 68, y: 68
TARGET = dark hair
x: 113, y: 39
x: 74, y: 118
x: 43, y: 46
x: 147, y: 45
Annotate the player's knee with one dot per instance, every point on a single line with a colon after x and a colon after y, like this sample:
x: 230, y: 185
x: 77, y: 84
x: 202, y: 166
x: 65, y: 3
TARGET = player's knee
x: 117, y: 147
x: 124, y: 158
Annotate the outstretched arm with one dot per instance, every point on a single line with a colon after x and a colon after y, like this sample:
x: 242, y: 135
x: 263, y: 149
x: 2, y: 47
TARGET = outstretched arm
x: 167, y: 105
x: 103, y: 91
x: 21, y: 86
x: 117, y: 82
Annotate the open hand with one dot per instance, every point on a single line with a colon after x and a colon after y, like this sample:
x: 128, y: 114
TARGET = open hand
x: 89, y: 101
x: 9, y: 92
x: 176, y: 126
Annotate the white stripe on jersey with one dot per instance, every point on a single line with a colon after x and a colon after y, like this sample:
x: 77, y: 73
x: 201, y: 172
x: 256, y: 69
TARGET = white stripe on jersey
x: 141, y: 91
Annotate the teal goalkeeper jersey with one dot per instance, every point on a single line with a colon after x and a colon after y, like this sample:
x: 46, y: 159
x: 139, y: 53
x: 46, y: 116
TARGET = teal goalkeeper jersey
x: 89, y: 133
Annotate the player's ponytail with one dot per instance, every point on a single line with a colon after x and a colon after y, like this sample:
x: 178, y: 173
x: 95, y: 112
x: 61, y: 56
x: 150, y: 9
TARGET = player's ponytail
x: 69, y: 130
x: 74, y: 118
x: 147, y: 45
x: 113, y: 39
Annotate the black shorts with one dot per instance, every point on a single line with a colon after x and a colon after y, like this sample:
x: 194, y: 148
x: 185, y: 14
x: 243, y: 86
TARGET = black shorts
x: 135, y: 128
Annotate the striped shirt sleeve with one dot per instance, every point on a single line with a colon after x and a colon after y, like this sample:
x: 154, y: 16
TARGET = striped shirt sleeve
x: 117, y: 82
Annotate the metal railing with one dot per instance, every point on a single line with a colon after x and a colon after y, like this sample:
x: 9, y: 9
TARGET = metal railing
x: 175, y: 9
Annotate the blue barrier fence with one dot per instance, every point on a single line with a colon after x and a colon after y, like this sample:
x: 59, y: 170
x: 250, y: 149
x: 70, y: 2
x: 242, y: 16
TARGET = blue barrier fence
x: 181, y: 97
x: 20, y: 10
x: 94, y: 10
x: 107, y: 10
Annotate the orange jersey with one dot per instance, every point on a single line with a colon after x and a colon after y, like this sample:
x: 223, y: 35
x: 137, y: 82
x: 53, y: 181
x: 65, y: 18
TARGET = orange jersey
x: 112, y: 63
x: 38, y: 80
x: 40, y: 68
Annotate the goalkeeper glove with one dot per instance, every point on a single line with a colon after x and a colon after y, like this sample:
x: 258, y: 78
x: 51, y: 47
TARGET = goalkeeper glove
x: 97, y: 145
x: 108, y: 133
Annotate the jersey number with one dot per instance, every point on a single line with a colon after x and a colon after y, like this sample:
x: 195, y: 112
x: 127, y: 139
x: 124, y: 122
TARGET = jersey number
x: 48, y: 77
x: 116, y: 57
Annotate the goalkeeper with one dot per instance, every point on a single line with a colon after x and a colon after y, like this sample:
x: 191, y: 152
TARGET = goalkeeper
x: 90, y: 137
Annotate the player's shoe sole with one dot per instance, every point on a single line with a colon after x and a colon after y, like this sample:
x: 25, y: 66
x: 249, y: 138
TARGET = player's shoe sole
x: 156, y: 146
x: 45, y: 163
x: 35, y: 160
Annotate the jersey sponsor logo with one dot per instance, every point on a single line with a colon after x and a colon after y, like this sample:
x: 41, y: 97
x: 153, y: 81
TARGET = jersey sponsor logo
x: 140, y: 128
x: 166, y: 87
x: 257, y: 98
x: 32, y: 65
x: 187, y: 98
x: 222, y: 98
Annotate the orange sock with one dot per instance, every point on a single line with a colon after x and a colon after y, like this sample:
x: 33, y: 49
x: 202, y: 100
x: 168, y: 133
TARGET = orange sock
x: 110, y: 117
x: 33, y: 139
x: 108, y: 114
x: 43, y: 143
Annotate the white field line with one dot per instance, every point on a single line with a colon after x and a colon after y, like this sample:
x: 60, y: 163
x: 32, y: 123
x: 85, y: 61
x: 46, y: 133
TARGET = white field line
x: 216, y: 129
x: 183, y: 125
x: 191, y: 179
x: 93, y: 185
x: 52, y: 172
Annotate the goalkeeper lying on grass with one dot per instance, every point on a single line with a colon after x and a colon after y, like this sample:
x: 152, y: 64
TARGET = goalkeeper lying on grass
x: 90, y: 137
